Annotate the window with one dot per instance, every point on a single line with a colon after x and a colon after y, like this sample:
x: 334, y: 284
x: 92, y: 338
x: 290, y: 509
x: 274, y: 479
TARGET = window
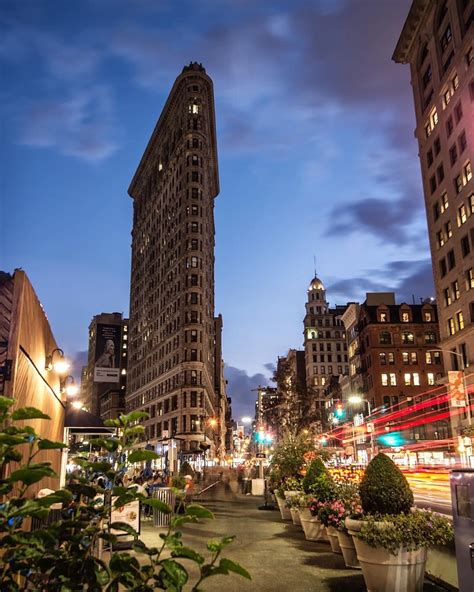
x: 440, y: 239
x: 433, y: 358
x: 407, y: 379
x: 440, y: 173
x: 391, y: 358
x: 431, y: 378
x: 383, y: 317
x: 443, y: 270
x: 385, y: 338
x: 449, y: 126
x: 413, y: 358
x: 444, y: 202
x: 471, y: 204
x: 383, y: 359
x: 451, y: 326
x: 460, y: 320
x: 405, y: 317
x: 193, y: 108
x: 408, y: 337
x: 470, y: 279
x: 446, y: 38
x: 458, y: 112
x: 416, y: 379
x: 447, y: 296
x: 433, y: 184
x: 462, y: 215
x: 393, y: 379
x: 429, y: 157
x: 462, y: 140
x: 451, y: 260
x: 453, y: 154
x: 427, y: 76
x: 405, y: 358
x: 465, y: 246
x: 437, y: 146
x: 448, y: 230
x: 427, y: 316
x: 458, y: 184
x: 455, y: 289
x: 467, y: 172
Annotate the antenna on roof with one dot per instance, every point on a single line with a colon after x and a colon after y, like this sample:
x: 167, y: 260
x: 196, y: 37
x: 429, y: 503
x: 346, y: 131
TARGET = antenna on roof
x: 314, y: 259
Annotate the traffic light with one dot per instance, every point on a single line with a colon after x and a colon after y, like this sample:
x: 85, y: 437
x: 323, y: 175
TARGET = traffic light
x: 340, y: 411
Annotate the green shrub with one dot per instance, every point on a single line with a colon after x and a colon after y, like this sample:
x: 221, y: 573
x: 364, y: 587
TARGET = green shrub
x: 384, y: 489
x: 316, y: 470
x: 411, y: 531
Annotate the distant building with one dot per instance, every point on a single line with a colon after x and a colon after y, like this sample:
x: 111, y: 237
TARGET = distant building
x: 397, y: 359
x: 437, y: 42
x: 325, y: 349
x: 173, y: 370
x: 105, y: 381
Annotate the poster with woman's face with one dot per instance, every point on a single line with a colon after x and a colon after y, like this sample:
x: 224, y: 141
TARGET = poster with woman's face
x: 107, y: 353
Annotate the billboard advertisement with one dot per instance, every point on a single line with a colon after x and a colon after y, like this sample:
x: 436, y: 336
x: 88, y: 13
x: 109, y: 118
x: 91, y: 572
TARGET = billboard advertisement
x: 457, y: 388
x: 107, y: 353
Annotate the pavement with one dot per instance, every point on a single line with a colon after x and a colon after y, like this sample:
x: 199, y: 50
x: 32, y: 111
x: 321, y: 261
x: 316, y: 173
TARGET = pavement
x: 275, y: 553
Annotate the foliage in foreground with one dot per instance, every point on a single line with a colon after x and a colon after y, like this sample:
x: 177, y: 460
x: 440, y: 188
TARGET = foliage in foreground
x: 63, y: 556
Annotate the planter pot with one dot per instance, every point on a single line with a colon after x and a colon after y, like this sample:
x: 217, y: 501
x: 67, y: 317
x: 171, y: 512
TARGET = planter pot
x: 313, y: 529
x: 284, y: 511
x: 289, y: 494
x: 348, y: 550
x: 385, y: 572
x: 333, y: 540
x: 295, y: 516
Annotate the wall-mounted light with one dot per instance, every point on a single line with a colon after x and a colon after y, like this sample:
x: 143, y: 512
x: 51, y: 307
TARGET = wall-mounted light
x: 77, y: 404
x: 69, y: 386
x: 57, y: 362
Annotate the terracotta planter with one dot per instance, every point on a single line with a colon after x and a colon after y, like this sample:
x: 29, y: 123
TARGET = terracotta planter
x: 313, y: 529
x: 295, y: 516
x: 284, y: 511
x: 333, y: 540
x: 385, y: 572
x: 348, y: 550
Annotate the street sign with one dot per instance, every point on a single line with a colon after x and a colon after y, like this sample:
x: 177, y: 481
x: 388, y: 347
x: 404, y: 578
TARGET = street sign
x: 370, y: 427
x: 261, y: 455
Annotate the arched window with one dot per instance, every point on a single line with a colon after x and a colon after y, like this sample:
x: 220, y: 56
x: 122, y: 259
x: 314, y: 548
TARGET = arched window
x: 385, y: 338
x: 408, y: 337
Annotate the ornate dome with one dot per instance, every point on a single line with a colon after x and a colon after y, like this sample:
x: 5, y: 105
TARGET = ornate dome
x: 316, y: 284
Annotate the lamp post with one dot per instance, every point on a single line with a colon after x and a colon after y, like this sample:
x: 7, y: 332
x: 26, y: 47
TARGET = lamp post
x: 355, y: 399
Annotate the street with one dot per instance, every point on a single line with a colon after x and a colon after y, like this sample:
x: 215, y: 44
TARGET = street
x: 274, y: 552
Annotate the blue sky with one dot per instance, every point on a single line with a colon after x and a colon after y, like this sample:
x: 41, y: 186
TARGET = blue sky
x: 316, y: 157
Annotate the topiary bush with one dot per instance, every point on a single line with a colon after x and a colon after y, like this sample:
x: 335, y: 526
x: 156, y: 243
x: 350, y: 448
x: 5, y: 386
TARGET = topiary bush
x: 384, y: 489
x: 316, y: 470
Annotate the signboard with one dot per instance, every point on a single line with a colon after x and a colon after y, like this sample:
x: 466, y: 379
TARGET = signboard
x: 129, y: 513
x: 457, y: 388
x: 370, y: 427
x: 107, y: 353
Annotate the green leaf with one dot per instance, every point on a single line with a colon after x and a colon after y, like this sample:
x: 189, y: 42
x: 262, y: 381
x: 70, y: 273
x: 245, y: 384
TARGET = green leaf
x: 157, y: 504
x: 125, y: 527
x: 31, y: 475
x: 12, y: 440
x: 61, y: 496
x: 112, y: 423
x: 176, y: 572
x: 29, y: 413
x: 199, y: 511
x: 141, y: 455
x: 50, y: 445
x: 188, y: 553
x: 230, y: 565
x: 133, y: 416
x: 215, y: 546
x: 5, y: 402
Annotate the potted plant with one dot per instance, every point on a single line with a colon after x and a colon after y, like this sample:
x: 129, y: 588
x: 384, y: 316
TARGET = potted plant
x: 319, y: 484
x: 392, y: 539
x: 280, y: 498
x: 332, y: 513
x: 295, y: 503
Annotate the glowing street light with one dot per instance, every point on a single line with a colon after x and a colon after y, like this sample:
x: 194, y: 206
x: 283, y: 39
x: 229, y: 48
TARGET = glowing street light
x: 70, y: 387
x: 77, y: 404
x: 246, y: 420
x: 60, y: 365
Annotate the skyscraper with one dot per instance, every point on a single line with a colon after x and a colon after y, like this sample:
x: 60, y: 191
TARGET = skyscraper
x: 172, y: 365
x: 437, y: 42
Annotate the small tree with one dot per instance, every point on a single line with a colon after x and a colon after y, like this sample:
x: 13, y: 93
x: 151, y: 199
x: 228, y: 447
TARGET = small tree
x: 316, y: 470
x: 384, y: 489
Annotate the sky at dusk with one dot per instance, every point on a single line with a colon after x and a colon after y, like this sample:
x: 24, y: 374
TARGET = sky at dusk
x: 316, y: 157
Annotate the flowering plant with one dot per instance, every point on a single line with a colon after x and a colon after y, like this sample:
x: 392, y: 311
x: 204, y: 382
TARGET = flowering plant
x: 332, y: 513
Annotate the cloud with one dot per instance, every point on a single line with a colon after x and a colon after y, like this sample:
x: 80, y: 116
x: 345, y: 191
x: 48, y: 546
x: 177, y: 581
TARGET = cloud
x: 241, y: 387
x: 82, y: 125
x: 270, y: 367
x: 406, y: 278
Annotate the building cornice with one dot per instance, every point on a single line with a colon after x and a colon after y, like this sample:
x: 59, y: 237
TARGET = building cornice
x: 418, y: 10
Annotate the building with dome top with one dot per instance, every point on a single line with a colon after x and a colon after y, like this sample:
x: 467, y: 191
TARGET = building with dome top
x: 325, y: 349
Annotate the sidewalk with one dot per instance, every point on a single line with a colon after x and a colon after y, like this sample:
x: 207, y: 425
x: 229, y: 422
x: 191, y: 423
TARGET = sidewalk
x: 274, y: 552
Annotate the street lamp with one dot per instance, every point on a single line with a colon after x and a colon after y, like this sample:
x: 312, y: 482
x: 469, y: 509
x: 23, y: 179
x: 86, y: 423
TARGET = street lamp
x: 357, y: 400
x: 246, y: 420
x: 57, y: 362
x: 70, y: 387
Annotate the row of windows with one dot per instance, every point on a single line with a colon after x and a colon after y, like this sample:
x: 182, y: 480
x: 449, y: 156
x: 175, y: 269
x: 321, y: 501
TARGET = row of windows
x: 389, y: 358
x: 456, y: 323
x: 409, y: 379
x: 328, y: 358
x: 328, y: 346
x: 407, y: 337
x: 405, y: 316
x: 329, y: 370
x: 449, y: 262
